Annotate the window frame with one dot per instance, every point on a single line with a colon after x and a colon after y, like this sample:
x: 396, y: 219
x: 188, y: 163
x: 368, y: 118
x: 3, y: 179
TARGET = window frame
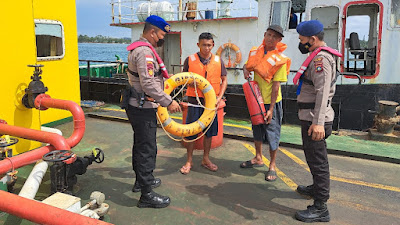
x: 392, y: 16
x: 55, y: 22
x: 286, y: 26
x: 379, y: 38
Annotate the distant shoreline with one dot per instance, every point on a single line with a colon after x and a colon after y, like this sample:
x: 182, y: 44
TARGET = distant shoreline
x: 102, y: 43
x: 103, y: 40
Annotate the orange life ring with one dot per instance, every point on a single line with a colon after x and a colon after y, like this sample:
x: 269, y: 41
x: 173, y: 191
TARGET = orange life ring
x: 235, y: 49
x: 186, y: 130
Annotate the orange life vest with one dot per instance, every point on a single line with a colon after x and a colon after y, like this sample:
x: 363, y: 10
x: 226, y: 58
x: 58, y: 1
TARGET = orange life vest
x: 266, y: 65
x: 213, y: 69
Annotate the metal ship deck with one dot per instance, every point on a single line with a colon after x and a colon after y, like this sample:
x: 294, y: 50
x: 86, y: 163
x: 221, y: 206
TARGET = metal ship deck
x: 362, y: 191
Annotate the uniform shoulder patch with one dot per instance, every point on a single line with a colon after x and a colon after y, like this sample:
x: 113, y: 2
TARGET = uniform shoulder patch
x: 317, y: 60
x: 150, y: 68
x: 318, y: 64
x: 149, y: 58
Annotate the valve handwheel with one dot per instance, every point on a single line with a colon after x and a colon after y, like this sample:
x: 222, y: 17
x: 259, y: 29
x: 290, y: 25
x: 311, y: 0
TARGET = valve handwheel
x: 4, y: 143
x: 98, y: 155
x: 57, y: 155
x: 36, y: 65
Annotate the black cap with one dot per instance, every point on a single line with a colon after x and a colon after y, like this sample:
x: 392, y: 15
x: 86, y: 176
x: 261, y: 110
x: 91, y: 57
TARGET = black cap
x: 278, y: 29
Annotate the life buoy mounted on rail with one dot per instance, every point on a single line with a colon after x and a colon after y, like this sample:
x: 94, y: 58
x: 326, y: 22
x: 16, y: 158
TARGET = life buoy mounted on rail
x: 234, y: 48
x: 186, y: 130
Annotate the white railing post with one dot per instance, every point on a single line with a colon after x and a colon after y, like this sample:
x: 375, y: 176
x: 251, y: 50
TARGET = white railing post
x: 180, y: 8
x: 129, y: 13
x: 216, y: 9
x: 149, y: 8
x: 250, y: 8
x: 112, y: 11
x: 132, y: 12
x: 119, y: 10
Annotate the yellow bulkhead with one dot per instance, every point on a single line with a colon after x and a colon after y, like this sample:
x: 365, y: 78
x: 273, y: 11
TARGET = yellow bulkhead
x: 18, y: 44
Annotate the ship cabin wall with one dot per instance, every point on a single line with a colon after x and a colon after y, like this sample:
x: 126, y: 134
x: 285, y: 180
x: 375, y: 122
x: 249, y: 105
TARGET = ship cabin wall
x: 246, y: 33
x: 352, y: 102
x: 384, y: 33
x: 384, y: 28
x: 223, y: 31
x: 19, y: 49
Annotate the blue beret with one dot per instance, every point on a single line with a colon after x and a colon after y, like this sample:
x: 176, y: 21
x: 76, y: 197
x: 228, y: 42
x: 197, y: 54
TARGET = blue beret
x: 158, y: 22
x: 310, y: 28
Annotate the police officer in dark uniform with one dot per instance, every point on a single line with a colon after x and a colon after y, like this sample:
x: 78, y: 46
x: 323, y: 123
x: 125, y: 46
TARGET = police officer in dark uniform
x: 316, y: 116
x: 147, y: 85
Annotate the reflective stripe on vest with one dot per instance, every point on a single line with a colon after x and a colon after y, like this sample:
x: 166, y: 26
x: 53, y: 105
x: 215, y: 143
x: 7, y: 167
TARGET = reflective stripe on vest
x: 267, y: 65
x: 213, y: 69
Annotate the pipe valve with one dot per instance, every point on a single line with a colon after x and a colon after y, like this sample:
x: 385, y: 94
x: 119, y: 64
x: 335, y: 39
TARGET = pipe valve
x: 35, y: 87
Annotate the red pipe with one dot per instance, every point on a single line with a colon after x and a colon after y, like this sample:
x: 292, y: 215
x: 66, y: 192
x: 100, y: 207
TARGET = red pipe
x: 78, y: 115
x: 22, y: 207
x: 23, y: 159
x: 27, y: 158
x: 56, y: 140
x: 41, y: 213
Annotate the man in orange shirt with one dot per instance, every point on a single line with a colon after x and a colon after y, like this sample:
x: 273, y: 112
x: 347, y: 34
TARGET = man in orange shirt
x: 213, y: 69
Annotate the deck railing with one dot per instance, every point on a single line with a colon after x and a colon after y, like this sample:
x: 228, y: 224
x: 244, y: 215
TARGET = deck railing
x: 116, y: 69
x: 126, y: 11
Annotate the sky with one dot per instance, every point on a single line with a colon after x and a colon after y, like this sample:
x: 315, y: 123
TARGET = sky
x: 358, y: 24
x: 94, y: 18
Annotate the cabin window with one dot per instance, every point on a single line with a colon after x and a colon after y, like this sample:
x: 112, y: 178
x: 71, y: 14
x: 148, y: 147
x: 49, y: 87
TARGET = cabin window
x: 329, y: 17
x: 299, y: 8
x: 49, y: 40
x: 362, y: 41
x: 395, y: 16
x: 280, y: 14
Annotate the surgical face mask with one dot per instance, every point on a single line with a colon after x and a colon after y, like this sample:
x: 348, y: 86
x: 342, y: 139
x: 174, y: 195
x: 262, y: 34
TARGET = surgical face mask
x: 304, y: 48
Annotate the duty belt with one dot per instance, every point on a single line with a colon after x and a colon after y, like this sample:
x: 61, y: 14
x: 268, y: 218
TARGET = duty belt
x: 129, y: 92
x: 310, y: 82
x: 308, y: 105
x: 140, y: 97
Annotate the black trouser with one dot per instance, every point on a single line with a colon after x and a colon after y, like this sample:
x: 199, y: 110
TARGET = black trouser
x: 317, y: 159
x: 144, y: 150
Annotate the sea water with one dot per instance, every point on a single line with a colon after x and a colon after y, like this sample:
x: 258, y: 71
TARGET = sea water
x: 107, y: 52
x: 102, y: 52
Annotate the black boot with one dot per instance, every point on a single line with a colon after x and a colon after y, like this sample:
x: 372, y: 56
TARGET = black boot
x: 155, y: 183
x: 306, y: 190
x: 153, y: 200
x: 314, y: 213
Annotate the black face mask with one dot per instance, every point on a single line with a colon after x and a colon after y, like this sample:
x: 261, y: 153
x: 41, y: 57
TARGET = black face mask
x: 304, y: 48
x: 160, y: 42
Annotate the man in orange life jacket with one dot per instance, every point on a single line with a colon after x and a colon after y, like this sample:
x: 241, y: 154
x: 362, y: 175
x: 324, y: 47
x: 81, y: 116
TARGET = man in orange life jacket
x: 144, y: 73
x: 316, y: 89
x: 213, y: 69
x: 271, y: 67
